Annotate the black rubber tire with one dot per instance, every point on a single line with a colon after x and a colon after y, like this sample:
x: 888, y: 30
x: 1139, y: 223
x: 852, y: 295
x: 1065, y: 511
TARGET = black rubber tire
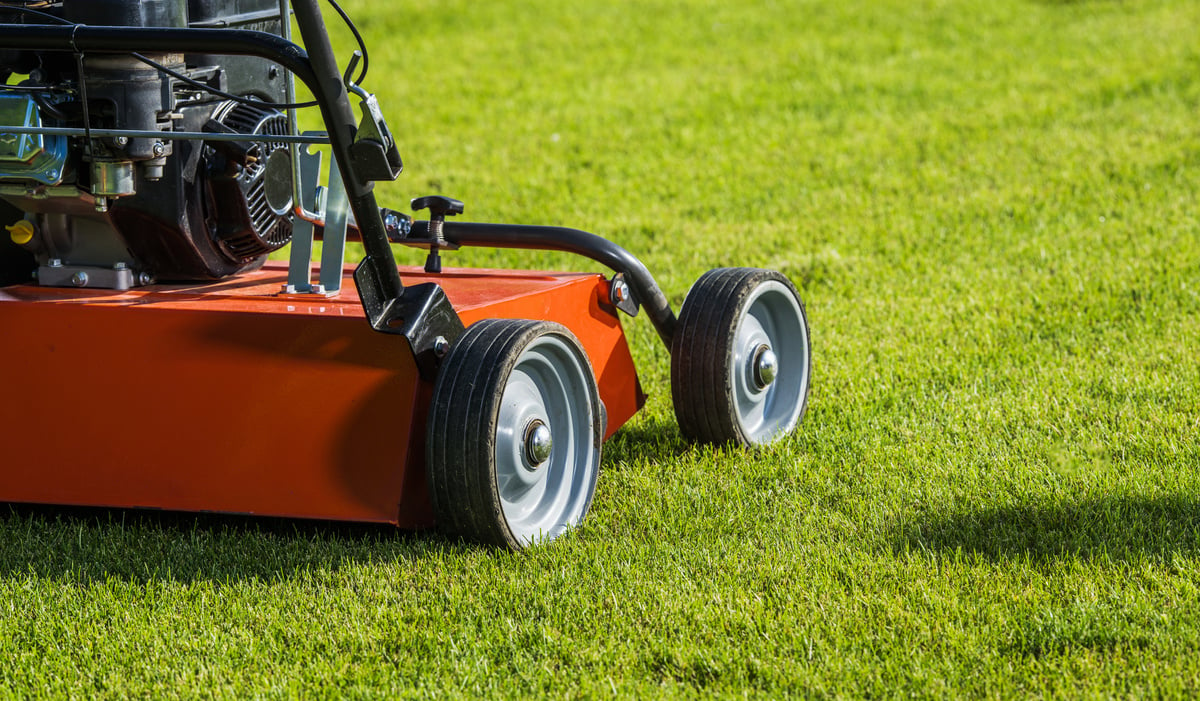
x: 702, y: 382
x: 461, y: 435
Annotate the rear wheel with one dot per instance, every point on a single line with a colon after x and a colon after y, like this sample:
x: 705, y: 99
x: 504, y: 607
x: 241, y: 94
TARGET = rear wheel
x: 514, y: 432
x: 740, y: 358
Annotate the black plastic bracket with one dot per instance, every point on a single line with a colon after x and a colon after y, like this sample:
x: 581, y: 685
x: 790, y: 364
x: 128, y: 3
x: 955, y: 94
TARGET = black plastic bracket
x: 422, y: 314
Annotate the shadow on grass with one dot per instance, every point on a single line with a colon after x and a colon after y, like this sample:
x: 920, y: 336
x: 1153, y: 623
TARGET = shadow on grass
x: 646, y: 439
x: 95, y: 544
x: 88, y: 545
x: 1107, y: 527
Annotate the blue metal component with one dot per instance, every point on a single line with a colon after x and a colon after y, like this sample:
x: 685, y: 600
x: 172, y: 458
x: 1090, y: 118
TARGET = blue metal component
x: 36, y: 157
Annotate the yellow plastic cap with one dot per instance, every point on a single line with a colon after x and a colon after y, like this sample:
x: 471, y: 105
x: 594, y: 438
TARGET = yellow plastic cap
x: 21, y: 232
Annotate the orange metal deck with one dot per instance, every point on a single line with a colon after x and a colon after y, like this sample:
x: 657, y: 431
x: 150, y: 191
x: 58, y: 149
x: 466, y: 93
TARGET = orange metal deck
x: 234, y: 397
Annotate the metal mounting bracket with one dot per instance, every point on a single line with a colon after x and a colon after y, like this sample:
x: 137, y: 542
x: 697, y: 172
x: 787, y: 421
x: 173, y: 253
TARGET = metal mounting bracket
x: 333, y: 203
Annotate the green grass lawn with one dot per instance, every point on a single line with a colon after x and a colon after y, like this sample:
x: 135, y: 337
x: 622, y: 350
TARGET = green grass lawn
x: 990, y: 209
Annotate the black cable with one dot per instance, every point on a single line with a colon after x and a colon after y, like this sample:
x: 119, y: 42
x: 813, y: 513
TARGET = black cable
x: 31, y: 11
x: 221, y: 93
x: 362, y: 46
x: 47, y: 107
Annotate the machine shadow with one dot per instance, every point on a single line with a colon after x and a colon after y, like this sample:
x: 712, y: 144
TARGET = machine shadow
x: 87, y: 545
x: 1109, y: 528
x: 643, y: 439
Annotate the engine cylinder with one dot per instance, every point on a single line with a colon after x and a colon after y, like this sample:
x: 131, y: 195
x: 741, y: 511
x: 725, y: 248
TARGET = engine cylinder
x: 122, y: 13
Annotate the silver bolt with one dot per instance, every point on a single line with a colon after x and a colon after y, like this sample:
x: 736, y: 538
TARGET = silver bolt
x: 55, y: 262
x: 539, y: 443
x: 621, y: 291
x: 120, y: 265
x: 766, y: 366
x: 79, y: 279
x: 145, y: 278
x: 121, y: 140
x: 441, y: 346
x: 159, y: 149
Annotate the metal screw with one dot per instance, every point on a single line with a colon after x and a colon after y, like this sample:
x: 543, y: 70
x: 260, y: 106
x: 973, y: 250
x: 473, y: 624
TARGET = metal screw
x: 620, y: 290
x: 55, y: 262
x: 145, y: 278
x: 391, y: 222
x: 79, y: 279
x: 121, y: 140
x: 120, y: 265
x: 159, y: 149
x: 441, y: 346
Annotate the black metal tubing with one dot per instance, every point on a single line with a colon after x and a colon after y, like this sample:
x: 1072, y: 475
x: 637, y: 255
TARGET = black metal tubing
x: 125, y: 40
x: 341, y: 124
x: 556, y: 238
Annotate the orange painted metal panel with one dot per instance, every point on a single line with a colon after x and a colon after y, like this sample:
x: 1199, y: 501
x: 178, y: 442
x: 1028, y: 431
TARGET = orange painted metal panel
x: 233, y: 397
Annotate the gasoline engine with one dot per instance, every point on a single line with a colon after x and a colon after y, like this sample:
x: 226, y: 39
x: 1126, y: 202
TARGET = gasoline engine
x: 102, y: 195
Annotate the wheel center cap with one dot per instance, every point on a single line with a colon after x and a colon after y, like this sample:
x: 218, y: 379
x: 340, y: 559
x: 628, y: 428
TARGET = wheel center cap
x: 766, y: 366
x: 538, y: 443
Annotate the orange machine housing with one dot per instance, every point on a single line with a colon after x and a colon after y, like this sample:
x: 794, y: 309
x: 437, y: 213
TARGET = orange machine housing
x: 234, y: 397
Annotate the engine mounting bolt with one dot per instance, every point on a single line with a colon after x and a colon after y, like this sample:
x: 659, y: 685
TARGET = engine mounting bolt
x: 121, y: 140
x: 441, y: 346
x: 159, y: 149
x: 79, y: 279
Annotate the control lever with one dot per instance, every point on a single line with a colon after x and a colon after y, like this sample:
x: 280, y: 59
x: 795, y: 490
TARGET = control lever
x: 439, y: 208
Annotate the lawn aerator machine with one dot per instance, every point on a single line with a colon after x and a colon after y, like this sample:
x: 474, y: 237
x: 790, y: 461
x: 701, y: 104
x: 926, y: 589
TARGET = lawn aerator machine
x: 150, y: 161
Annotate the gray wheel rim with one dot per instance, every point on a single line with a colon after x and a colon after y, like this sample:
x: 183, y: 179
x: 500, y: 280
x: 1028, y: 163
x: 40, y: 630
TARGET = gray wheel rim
x: 772, y: 318
x: 549, y: 384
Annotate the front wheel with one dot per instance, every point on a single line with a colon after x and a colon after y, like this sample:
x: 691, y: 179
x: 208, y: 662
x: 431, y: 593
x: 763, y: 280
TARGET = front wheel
x: 514, y: 432
x: 740, y: 358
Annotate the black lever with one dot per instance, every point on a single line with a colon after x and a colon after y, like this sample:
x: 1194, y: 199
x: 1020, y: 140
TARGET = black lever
x: 439, y: 208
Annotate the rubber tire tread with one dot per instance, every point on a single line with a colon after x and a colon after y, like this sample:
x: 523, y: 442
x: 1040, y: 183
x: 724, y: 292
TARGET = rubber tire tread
x: 701, y: 381
x: 461, y: 428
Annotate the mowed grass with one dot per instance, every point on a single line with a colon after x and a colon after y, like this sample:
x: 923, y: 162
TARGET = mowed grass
x: 991, y: 209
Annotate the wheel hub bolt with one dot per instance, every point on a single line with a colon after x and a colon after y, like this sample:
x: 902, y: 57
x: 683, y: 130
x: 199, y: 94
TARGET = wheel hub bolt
x: 538, y: 442
x: 766, y: 366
